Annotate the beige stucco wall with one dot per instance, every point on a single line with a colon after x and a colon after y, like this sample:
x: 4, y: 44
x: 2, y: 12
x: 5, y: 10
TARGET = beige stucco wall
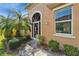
x: 48, y: 25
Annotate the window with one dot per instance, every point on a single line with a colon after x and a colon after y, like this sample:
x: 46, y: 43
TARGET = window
x: 63, y: 18
x: 36, y: 17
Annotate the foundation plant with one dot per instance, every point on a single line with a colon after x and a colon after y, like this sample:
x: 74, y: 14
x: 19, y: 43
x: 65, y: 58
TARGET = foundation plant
x: 69, y: 50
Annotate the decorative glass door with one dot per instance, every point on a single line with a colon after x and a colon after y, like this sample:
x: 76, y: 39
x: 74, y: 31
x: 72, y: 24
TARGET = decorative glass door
x: 36, y: 29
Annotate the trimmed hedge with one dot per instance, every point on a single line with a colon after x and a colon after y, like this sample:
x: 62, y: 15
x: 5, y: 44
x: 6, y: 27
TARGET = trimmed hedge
x: 71, y: 50
x: 24, y: 39
x: 53, y: 45
x: 14, y: 43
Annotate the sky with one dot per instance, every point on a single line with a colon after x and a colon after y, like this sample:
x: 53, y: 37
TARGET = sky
x: 6, y: 7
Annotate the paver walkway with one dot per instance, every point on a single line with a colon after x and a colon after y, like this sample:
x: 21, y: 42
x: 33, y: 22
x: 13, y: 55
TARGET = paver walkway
x: 31, y: 49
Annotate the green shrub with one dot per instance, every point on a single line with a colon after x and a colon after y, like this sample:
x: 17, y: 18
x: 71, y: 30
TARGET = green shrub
x: 4, y: 53
x: 1, y: 51
x: 1, y: 46
x: 14, y: 43
x: 22, y: 40
x: 53, y: 45
x: 71, y: 50
x: 40, y: 39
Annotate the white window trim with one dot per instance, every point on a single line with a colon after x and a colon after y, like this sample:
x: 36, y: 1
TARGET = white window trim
x: 62, y: 21
x: 64, y: 34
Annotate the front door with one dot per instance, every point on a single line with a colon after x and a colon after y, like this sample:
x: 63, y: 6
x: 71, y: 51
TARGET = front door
x: 36, y: 28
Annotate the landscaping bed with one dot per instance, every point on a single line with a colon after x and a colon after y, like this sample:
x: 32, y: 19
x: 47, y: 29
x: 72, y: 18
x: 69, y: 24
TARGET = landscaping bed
x: 11, y: 48
x: 33, y: 49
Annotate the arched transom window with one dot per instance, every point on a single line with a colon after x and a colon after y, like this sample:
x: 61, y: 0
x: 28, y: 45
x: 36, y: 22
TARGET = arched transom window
x: 36, y: 17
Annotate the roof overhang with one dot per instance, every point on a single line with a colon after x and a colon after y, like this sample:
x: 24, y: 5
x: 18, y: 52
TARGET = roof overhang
x: 54, y: 5
x: 49, y: 5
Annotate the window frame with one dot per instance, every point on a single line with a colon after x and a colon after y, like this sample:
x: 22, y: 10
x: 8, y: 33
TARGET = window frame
x: 64, y: 34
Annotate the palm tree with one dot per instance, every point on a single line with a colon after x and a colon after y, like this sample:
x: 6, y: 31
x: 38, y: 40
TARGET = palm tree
x: 21, y: 24
x: 14, y: 26
x: 5, y: 25
x: 5, y: 30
